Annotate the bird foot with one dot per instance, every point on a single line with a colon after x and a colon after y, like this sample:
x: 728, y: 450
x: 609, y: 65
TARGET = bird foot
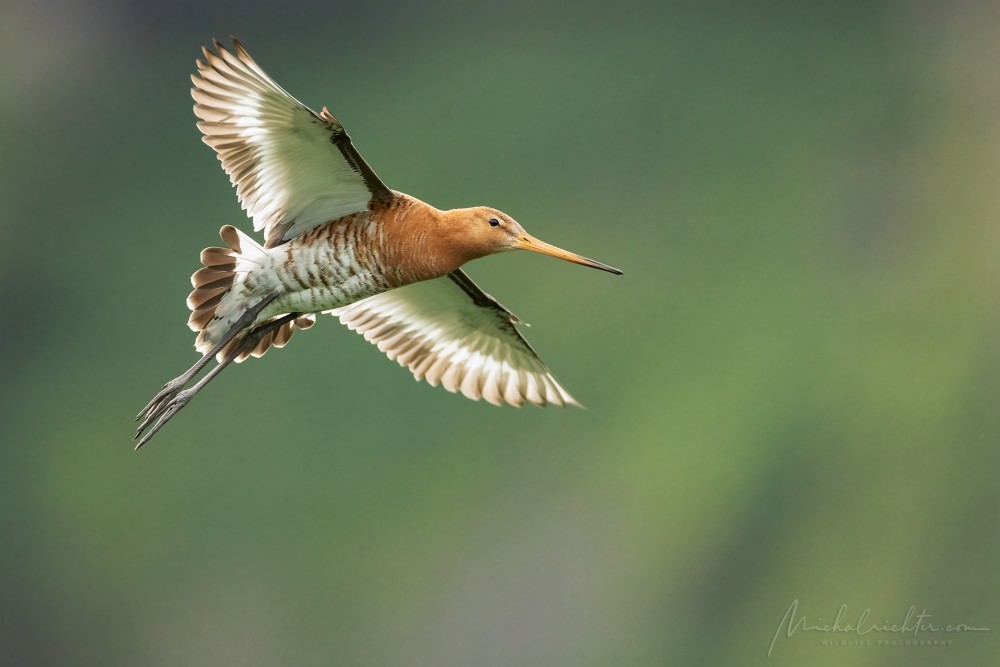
x: 168, y: 391
x: 160, y: 411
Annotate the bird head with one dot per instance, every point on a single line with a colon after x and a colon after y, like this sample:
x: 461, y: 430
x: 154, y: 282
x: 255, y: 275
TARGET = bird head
x: 481, y: 231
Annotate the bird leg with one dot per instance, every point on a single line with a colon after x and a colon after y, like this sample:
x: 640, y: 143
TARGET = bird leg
x: 173, y: 387
x: 171, y: 405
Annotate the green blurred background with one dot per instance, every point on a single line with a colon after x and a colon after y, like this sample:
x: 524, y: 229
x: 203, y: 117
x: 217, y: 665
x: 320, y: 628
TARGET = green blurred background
x: 792, y: 391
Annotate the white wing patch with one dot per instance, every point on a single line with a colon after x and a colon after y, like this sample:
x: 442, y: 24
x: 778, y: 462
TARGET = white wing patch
x: 290, y: 171
x: 444, y: 336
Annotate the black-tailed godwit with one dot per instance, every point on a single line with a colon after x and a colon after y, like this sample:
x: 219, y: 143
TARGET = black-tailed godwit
x: 338, y: 241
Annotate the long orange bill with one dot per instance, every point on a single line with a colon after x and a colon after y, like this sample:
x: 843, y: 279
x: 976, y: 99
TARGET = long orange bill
x: 529, y: 242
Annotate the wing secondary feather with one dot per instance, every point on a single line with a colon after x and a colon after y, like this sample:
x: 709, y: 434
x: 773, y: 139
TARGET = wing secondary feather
x: 293, y: 168
x: 448, y: 331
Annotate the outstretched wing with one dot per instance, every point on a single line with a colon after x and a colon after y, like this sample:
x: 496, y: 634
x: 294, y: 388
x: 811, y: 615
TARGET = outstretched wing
x: 293, y: 168
x: 449, y: 331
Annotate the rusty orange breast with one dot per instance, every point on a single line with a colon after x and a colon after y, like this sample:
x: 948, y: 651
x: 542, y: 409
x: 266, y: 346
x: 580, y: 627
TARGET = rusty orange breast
x: 411, y: 244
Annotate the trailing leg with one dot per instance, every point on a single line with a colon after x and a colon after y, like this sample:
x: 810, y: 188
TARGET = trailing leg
x: 169, y: 403
x: 221, y: 305
x: 174, y: 386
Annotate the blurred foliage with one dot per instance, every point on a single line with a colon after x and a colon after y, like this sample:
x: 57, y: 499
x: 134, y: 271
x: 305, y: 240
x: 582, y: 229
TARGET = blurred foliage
x: 791, y: 391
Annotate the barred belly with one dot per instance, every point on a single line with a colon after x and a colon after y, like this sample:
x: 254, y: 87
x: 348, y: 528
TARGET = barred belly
x: 332, y: 266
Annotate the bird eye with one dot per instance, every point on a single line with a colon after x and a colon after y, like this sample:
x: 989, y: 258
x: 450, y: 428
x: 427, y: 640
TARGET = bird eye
x: 494, y: 222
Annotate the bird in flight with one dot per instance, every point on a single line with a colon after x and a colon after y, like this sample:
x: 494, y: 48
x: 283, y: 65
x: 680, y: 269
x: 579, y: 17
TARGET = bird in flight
x: 339, y: 241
